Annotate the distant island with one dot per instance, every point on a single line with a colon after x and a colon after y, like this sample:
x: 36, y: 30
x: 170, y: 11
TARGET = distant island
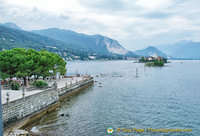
x: 153, y: 61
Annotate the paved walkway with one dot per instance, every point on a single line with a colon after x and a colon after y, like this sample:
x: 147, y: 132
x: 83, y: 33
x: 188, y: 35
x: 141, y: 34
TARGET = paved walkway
x: 61, y: 82
x: 17, y: 94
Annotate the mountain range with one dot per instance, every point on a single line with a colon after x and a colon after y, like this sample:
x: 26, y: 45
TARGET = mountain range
x: 68, y: 43
x: 61, y: 39
x: 14, y: 38
x: 181, y: 50
x: 88, y: 43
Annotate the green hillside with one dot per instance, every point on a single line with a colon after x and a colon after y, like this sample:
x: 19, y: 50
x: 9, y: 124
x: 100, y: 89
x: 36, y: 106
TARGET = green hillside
x: 13, y: 38
x: 10, y: 38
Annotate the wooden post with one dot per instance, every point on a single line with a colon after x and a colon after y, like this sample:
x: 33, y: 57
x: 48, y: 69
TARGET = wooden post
x: 136, y: 72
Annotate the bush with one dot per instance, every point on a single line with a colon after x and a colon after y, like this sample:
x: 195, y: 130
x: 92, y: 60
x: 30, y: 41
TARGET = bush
x: 40, y: 83
x: 14, y: 85
x: 156, y: 63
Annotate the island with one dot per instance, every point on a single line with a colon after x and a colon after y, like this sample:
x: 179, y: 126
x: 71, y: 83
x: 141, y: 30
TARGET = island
x: 153, y: 61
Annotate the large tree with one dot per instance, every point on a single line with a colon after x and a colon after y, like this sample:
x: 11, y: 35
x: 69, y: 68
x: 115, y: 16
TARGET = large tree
x: 23, y: 63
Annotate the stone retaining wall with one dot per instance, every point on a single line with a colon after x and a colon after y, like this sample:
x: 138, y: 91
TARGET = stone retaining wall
x: 21, y: 108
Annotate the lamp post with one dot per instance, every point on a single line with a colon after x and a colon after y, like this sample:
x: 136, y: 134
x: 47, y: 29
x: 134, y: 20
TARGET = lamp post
x: 1, y: 122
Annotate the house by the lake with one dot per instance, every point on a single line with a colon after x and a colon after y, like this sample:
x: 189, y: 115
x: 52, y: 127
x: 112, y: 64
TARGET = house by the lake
x: 150, y: 59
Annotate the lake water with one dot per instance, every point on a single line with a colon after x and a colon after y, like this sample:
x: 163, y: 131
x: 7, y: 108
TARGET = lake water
x: 166, y: 98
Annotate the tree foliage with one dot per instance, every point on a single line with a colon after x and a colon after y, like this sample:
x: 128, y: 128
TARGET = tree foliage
x: 22, y: 63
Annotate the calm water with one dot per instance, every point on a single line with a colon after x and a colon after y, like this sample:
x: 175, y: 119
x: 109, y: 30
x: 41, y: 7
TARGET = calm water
x: 166, y: 97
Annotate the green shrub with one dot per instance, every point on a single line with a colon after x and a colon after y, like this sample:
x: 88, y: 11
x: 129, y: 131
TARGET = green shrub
x: 14, y: 85
x: 40, y: 83
x: 155, y: 63
x: 158, y: 63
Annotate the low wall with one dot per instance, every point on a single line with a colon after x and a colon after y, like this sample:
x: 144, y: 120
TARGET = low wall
x: 67, y: 92
x: 72, y: 87
x: 24, y: 107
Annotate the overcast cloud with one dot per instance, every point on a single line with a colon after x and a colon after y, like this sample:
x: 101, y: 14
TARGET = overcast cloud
x: 134, y: 23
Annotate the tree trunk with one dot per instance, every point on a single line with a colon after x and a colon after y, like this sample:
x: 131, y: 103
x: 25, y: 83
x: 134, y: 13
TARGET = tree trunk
x: 24, y: 80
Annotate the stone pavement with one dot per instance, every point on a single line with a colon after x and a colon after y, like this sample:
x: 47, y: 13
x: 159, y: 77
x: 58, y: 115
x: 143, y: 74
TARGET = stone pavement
x: 17, y: 94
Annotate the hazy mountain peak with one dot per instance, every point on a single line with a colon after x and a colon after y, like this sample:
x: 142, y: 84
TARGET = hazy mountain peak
x: 89, y: 43
x: 151, y: 48
x: 150, y: 51
x: 185, y: 41
x: 11, y: 25
x: 182, y: 50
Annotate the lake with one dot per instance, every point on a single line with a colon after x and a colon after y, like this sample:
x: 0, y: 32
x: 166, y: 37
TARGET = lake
x: 160, y: 97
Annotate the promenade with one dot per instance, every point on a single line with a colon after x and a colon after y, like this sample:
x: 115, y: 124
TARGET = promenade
x: 17, y: 94
x: 36, y: 103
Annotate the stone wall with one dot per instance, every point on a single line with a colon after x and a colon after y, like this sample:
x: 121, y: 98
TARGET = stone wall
x: 21, y: 108
x: 70, y: 87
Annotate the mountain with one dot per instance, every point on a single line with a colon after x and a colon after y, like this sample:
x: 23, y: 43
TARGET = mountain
x: 87, y: 43
x: 10, y: 38
x: 150, y: 51
x: 182, y: 50
x: 11, y: 25
x: 14, y: 38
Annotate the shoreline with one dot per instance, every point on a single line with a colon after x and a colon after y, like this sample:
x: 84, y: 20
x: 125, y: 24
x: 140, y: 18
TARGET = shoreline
x: 63, y: 93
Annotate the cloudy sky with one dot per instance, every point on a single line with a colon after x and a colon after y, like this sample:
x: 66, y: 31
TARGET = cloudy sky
x: 134, y: 23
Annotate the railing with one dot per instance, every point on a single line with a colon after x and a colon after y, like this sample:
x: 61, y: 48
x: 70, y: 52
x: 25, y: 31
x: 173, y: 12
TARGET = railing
x: 6, y: 87
x: 72, y: 86
x: 27, y: 105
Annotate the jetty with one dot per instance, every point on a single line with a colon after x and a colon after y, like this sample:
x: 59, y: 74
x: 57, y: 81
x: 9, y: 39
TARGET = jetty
x: 22, y: 107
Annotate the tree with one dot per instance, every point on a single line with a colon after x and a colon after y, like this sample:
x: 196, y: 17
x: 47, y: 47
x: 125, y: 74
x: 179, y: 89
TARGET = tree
x: 52, y: 62
x: 22, y: 63
x: 35, y: 67
x: 142, y: 59
x: 6, y: 64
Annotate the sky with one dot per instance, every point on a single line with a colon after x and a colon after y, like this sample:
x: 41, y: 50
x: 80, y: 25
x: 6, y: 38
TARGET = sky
x: 135, y: 24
